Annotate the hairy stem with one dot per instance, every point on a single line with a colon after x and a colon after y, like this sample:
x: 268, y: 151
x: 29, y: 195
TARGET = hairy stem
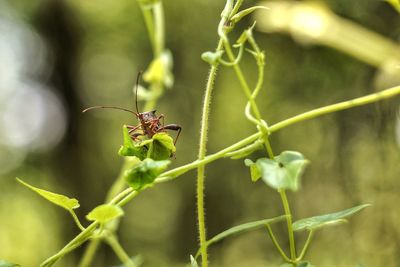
x: 201, y: 155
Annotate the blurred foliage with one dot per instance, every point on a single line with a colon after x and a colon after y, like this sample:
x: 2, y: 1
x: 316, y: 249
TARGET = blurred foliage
x: 96, y: 49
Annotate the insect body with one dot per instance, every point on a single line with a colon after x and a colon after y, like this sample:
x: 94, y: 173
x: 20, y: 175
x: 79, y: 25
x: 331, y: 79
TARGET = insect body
x: 149, y: 123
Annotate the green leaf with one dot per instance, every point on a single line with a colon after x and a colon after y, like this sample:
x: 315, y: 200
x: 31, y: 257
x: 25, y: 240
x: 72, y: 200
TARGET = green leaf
x: 245, y: 35
x: 327, y: 219
x: 129, y: 148
x: 254, y: 171
x: 212, y: 58
x: 242, y: 228
x: 395, y: 4
x: 162, y: 147
x: 238, y: 16
x: 284, y: 171
x: 60, y: 200
x: 4, y: 263
x: 193, y: 262
x: 105, y: 213
x: 145, y: 173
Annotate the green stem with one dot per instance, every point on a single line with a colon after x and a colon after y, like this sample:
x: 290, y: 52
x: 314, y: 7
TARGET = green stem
x: 251, y: 96
x: 276, y: 244
x: 236, y: 61
x: 128, y: 194
x: 119, y: 251
x: 90, y: 252
x: 159, y: 29
x: 91, y: 249
x: 148, y: 19
x: 156, y: 88
x: 306, y: 245
x: 78, y: 223
x: 388, y: 93
x: 241, y: 78
x: 119, y: 200
x: 289, y: 226
x: 171, y: 174
x: 201, y: 156
x: 74, y: 243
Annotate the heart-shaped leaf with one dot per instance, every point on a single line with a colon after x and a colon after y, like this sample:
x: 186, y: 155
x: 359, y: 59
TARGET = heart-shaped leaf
x: 145, y: 173
x: 327, y: 219
x: 130, y: 148
x: 105, y: 213
x: 60, y: 200
x: 283, y: 172
x: 159, y: 147
x: 162, y: 147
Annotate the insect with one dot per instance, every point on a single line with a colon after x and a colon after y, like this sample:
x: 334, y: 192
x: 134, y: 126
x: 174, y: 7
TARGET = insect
x: 149, y: 123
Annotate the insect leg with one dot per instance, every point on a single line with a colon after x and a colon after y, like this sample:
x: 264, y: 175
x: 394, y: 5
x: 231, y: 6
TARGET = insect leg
x: 161, y: 117
x: 173, y: 127
x: 135, y: 136
x: 133, y: 128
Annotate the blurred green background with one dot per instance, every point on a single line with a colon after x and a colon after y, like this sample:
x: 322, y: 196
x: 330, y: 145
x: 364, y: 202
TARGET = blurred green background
x: 58, y: 57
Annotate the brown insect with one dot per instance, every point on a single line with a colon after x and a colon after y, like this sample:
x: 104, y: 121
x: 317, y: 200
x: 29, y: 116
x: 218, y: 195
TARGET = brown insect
x: 149, y: 123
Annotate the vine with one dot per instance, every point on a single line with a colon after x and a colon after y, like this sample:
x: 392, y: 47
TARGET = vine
x: 147, y: 160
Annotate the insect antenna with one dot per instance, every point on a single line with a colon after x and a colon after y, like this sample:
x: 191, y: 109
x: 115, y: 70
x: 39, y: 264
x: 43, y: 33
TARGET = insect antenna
x: 110, y: 107
x: 136, y: 89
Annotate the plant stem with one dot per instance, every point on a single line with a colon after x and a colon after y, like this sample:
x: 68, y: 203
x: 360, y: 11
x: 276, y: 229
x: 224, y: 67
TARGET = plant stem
x: 159, y: 28
x: 90, y: 253
x: 172, y: 174
x: 304, y: 250
x: 201, y: 155
x: 242, y: 80
x: 289, y: 226
x: 128, y: 194
x: 119, y: 251
x: 76, y: 242
x: 78, y: 223
x: 388, y: 93
x: 278, y: 247
x: 148, y: 19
